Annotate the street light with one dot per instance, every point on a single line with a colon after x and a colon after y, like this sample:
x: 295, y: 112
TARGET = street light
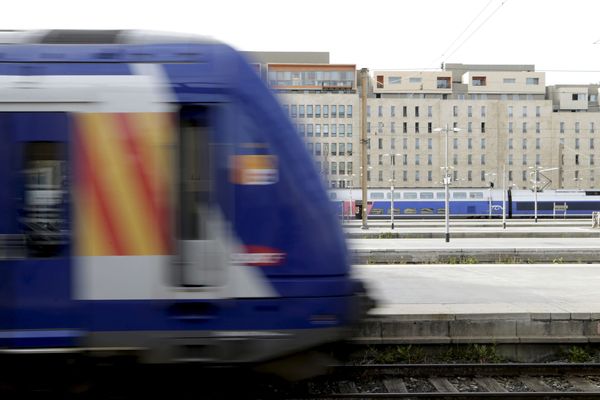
x: 492, y: 174
x: 446, y: 181
x: 392, y: 165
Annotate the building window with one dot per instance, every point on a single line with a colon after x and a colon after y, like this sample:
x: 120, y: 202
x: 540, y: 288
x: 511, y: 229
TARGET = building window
x: 538, y: 159
x: 309, y: 130
x: 482, y: 111
x: 392, y: 127
x: 524, y: 127
x: 576, y: 127
x: 429, y: 159
x: 380, y: 111
x: 469, y: 159
x: 469, y: 143
x: 326, y: 111
x: 524, y: 159
x: 404, y: 143
x: 417, y: 159
x: 416, y: 111
x: 469, y: 175
x: 349, y: 148
x: 430, y: 143
x: 510, y: 111
x: 317, y: 149
x: 414, y: 79
x: 577, y: 143
x: 538, y: 143
x: 294, y: 111
x: 380, y: 177
x: 318, y: 111
x: 309, y: 111
x: 455, y: 143
x: 334, y: 129
x: 333, y: 110
x: 482, y: 144
x: 417, y: 176
x: 341, y: 111
x: 404, y: 111
x: 380, y: 127
x: 469, y: 127
x: 562, y: 127
x: 405, y: 175
x: 508, y: 80
x: 455, y: 111
x: 510, y: 176
x: 478, y: 81
x: 342, y: 149
x: 532, y: 81
x: 405, y: 127
x: 538, y: 111
x: 393, y: 111
x: 325, y: 130
x: 482, y: 176
x: 380, y: 144
x: 404, y: 159
x: 443, y: 82
x: 538, y: 127
x: 349, y: 130
x: 342, y: 168
x: 524, y: 111
x: 301, y: 111
x: 416, y: 127
x: 483, y: 127
x: 591, y: 144
x: 317, y: 130
x: 591, y: 127
x: 379, y: 81
x: 483, y: 159
x: 349, y: 110
x: 394, y: 80
x: 510, y: 127
x: 470, y: 111
x: 429, y: 176
x: 417, y: 144
x: 524, y: 177
x: 524, y: 144
x: 429, y: 127
x: 510, y: 144
x: 380, y: 160
x: 510, y: 159
x: 429, y: 111
x: 393, y: 144
x: 334, y: 149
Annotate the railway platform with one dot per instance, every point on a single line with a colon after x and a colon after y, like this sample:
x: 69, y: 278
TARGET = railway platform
x: 511, y: 305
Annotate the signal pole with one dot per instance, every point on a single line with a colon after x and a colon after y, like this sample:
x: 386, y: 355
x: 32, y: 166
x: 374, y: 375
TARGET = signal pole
x: 364, y: 73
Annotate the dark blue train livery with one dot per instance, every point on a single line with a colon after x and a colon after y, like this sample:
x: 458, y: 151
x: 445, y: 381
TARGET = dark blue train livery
x: 154, y: 201
x: 466, y: 203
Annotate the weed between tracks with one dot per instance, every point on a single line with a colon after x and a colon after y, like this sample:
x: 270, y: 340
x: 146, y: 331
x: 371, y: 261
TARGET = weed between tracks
x: 409, y: 354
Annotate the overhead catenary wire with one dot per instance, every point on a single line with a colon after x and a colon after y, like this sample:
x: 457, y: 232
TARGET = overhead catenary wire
x: 441, y: 57
x: 476, y: 29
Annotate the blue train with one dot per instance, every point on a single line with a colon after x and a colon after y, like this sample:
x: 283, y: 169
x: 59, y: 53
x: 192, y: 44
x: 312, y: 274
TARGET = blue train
x: 466, y: 203
x: 154, y: 202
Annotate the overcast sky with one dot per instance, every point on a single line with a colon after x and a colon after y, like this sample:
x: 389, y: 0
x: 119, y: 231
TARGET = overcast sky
x: 393, y: 34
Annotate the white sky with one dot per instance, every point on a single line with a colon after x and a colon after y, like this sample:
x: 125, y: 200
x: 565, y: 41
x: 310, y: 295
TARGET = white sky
x: 394, y: 34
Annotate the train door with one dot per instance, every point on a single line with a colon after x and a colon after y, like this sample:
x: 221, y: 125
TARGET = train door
x: 36, y: 212
x: 204, y: 239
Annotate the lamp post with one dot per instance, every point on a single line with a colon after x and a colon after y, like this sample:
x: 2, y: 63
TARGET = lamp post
x: 446, y: 181
x: 392, y: 165
x: 492, y: 174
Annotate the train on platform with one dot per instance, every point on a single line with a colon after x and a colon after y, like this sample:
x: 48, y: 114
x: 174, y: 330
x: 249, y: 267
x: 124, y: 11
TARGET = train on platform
x: 153, y: 203
x: 466, y: 203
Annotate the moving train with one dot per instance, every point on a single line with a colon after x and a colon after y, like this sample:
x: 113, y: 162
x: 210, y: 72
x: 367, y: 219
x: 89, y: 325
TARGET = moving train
x: 154, y: 202
x: 466, y: 203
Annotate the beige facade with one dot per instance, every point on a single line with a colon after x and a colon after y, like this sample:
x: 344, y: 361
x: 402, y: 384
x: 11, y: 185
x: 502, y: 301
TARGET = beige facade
x: 507, y: 119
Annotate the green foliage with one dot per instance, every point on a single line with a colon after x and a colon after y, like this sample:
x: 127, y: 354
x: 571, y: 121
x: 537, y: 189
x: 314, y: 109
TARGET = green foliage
x: 400, y: 354
x: 577, y: 354
x: 479, y: 353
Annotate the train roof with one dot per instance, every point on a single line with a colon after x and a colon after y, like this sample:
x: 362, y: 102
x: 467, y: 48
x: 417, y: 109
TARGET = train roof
x: 99, y: 37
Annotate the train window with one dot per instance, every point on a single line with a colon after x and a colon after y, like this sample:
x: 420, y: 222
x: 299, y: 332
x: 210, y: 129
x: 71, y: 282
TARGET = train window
x: 440, y: 195
x: 377, y: 195
x: 426, y: 195
x: 427, y: 210
x: 376, y: 211
x: 460, y: 195
x: 476, y: 195
x: 441, y: 211
x: 410, y: 195
x: 410, y: 211
x: 397, y: 195
x: 44, y: 220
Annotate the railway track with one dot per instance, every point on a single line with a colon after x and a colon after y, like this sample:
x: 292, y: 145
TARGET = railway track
x: 457, y: 381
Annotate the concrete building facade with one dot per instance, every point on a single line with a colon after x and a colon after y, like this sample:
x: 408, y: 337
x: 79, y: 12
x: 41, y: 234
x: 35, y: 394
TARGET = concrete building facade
x: 507, y: 120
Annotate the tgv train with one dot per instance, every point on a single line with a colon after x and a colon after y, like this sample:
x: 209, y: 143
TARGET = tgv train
x: 466, y: 203
x: 154, y: 201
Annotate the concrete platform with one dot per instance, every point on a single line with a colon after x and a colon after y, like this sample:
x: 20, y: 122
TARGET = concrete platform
x: 476, y: 250
x: 507, y: 304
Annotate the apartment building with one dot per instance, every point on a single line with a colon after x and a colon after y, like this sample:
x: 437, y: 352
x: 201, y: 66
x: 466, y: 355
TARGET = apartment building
x: 499, y: 118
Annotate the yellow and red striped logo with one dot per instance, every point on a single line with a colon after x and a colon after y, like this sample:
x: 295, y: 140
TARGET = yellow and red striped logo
x: 122, y: 183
